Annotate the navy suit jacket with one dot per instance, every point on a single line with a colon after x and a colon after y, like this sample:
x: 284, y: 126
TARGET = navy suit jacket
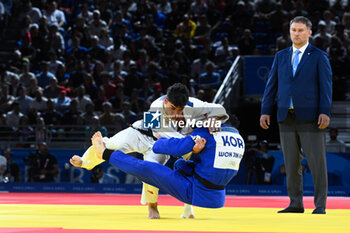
x: 310, y: 88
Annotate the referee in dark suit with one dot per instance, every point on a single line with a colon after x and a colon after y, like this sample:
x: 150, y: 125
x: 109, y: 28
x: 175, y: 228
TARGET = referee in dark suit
x: 301, y: 79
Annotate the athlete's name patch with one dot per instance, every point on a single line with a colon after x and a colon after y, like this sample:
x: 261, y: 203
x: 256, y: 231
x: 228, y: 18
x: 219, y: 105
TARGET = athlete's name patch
x: 230, y: 154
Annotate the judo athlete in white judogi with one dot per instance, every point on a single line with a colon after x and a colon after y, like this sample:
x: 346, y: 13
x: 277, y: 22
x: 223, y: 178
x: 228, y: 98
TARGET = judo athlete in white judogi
x: 176, y: 107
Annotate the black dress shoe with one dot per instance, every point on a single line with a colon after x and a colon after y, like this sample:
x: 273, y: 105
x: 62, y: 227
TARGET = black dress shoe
x: 319, y: 210
x: 292, y: 210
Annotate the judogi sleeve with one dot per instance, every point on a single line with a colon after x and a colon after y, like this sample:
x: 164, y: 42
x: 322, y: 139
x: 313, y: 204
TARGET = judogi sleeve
x: 174, y: 146
x: 202, y: 108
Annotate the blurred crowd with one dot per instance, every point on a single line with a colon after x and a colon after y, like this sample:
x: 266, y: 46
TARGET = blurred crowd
x: 101, y: 63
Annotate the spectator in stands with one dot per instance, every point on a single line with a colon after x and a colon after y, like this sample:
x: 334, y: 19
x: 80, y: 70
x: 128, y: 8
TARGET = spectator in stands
x: 154, y: 74
x: 12, y: 171
x: 91, y: 88
x: 89, y: 114
x: 39, y: 103
x: 61, y: 75
x: 184, y: 62
x: 338, y: 60
x: 264, y: 7
x: 14, y: 116
x: 3, y: 168
x: 330, y: 23
x: 341, y: 34
x: 334, y: 144
x: 157, y: 92
x: 94, y: 127
x: 52, y: 90
x: 346, y: 21
x: 117, y: 49
x: 85, y: 12
x: 6, y: 100
x: 203, y: 29
x: 96, y: 51
x: 134, y: 79
x: 118, y: 75
x: 137, y: 103
x: 42, y: 133
x: 75, y: 52
x: 210, y: 79
x: 3, y: 18
x: 25, y: 132
x: 54, y: 40
x: 199, y: 65
x: 5, y: 129
x: 81, y: 98
x: 283, y: 41
x: 42, y: 166
x: 322, y: 35
x: 299, y: 9
x: 43, y: 28
x: 105, y: 40
x: 107, y: 85
x: 25, y: 75
x: 33, y: 87
x: 62, y: 102
x: 107, y: 118
x: 24, y: 28
x: 45, y: 75
x: 198, y: 7
x: 24, y: 100
x: 129, y: 116
x: 223, y: 51
x: 51, y: 116
x: 277, y: 18
x: 186, y: 28
x: 247, y: 43
x: 126, y: 62
x: 164, y: 6
x: 118, y: 98
x: 53, y: 62
x: 173, y: 17
x: 14, y: 86
x: 158, y: 17
x: 146, y: 89
x: 54, y: 15
x: 72, y: 114
x: 77, y: 76
x: 143, y: 62
x: 96, y: 24
x: 33, y: 12
x: 16, y: 62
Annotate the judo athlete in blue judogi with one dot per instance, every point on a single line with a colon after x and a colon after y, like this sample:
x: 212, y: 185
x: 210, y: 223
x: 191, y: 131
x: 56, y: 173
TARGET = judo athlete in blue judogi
x: 200, y: 181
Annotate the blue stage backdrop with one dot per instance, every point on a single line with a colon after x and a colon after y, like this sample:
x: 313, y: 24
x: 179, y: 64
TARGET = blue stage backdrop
x: 72, y: 179
x: 256, y: 71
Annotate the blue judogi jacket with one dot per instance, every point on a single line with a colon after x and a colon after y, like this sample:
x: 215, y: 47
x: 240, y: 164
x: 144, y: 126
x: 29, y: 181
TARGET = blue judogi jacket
x: 213, y: 167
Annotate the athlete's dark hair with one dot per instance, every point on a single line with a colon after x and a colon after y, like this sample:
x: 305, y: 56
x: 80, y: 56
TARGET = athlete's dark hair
x: 178, y: 95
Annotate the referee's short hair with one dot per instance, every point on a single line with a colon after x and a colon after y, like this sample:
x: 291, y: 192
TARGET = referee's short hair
x: 303, y: 20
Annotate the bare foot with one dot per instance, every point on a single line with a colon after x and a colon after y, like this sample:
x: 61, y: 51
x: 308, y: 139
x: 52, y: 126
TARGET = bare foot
x: 76, y: 161
x: 153, y: 212
x: 97, y: 143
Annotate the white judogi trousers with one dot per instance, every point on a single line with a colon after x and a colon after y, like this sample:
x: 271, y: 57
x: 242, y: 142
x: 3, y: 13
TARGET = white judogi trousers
x: 131, y: 140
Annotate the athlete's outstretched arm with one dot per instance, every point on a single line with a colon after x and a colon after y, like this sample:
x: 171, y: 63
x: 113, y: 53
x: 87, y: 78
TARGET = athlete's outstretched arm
x: 174, y: 146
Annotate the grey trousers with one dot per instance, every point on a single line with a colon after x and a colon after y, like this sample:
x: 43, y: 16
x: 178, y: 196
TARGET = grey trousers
x: 304, y: 137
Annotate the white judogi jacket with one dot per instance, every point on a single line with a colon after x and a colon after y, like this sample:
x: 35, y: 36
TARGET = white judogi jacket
x: 195, y: 109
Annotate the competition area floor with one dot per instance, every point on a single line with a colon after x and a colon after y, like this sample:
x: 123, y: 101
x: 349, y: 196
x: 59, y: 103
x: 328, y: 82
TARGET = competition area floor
x: 109, y: 213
